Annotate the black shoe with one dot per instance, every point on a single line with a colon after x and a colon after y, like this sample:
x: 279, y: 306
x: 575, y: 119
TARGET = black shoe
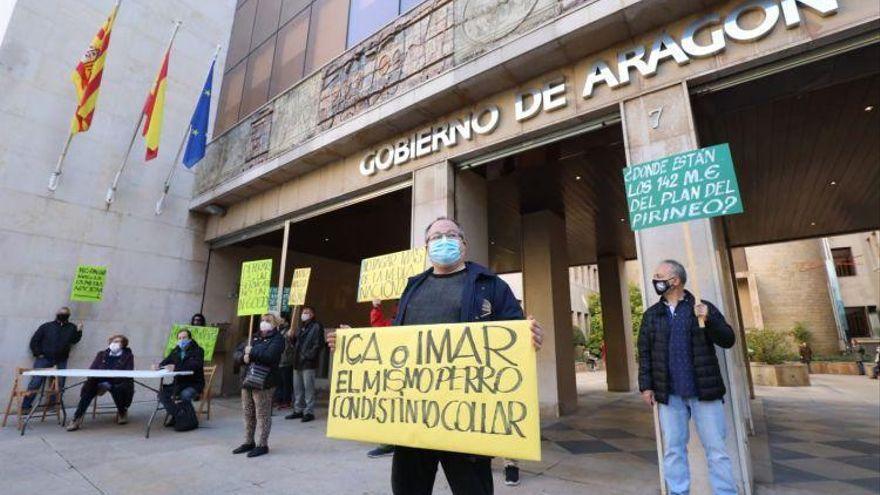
x: 308, y: 417
x: 245, y: 447
x: 169, y: 421
x: 511, y: 475
x: 294, y: 415
x: 381, y: 451
x: 258, y: 451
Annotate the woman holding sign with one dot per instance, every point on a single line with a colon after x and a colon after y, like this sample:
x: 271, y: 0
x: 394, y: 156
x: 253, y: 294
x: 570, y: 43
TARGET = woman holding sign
x: 260, y: 357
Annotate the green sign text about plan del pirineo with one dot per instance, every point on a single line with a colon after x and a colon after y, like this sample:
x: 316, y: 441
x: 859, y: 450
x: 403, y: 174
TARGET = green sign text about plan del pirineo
x: 677, y: 188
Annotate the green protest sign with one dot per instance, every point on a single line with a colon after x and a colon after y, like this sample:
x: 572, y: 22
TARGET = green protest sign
x: 206, y: 337
x: 687, y: 186
x: 88, y: 284
x: 253, y: 293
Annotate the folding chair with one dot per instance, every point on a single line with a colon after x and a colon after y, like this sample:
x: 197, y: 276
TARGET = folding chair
x: 205, y: 399
x: 20, y: 391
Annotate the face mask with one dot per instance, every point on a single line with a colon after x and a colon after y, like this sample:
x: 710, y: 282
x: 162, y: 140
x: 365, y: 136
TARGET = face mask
x: 115, y: 347
x: 62, y: 317
x: 444, y: 251
x: 305, y: 317
x: 265, y: 326
x: 661, y: 286
x: 182, y: 343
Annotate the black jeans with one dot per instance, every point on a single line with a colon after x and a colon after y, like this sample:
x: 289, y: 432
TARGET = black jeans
x: 413, y: 472
x: 122, y: 394
x: 284, y: 392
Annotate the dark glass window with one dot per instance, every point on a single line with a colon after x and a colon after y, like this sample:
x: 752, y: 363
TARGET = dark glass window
x: 230, y: 97
x: 326, y: 39
x: 843, y: 262
x: 242, y: 28
x: 290, y: 54
x: 266, y: 22
x: 857, y: 322
x: 367, y: 16
x: 256, y: 80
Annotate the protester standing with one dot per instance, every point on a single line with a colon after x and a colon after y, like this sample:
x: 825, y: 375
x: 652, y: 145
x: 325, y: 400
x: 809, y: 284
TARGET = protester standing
x: 378, y: 319
x: 451, y: 291
x: 307, y: 343
x: 117, y: 356
x: 284, y: 392
x: 50, y: 346
x: 187, y: 355
x: 678, y: 370
x: 259, y: 359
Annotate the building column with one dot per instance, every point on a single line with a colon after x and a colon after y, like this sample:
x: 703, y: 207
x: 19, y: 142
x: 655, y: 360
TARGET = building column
x: 432, y: 196
x: 620, y: 361
x: 546, y: 296
x: 658, y: 124
x: 472, y: 212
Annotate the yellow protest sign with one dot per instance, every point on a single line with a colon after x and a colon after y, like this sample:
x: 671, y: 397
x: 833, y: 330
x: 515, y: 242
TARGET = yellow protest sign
x: 253, y: 292
x: 88, y: 284
x: 384, y: 277
x: 299, y: 285
x: 463, y: 387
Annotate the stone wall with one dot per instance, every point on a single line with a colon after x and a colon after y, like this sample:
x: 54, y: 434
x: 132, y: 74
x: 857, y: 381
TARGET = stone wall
x: 793, y: 287
x: 156, y: 264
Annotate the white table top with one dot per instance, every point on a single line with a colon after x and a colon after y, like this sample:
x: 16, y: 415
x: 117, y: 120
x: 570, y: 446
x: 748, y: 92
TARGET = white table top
x: 85, y: 373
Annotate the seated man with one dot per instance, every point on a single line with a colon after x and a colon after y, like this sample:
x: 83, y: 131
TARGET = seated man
x: 186, y: 356
x: 117, y: 356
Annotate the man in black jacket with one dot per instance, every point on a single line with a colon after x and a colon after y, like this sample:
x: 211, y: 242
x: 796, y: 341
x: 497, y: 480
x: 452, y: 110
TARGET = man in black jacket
x: 50, y: 346
x: 187, y: 355
x: 678, y: 370
x: 308, y: 340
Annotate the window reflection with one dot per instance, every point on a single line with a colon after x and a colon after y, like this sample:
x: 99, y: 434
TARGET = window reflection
x: 368, y: 16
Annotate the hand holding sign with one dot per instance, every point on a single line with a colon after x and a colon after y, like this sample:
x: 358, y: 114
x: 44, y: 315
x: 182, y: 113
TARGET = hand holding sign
x: 537, y: 333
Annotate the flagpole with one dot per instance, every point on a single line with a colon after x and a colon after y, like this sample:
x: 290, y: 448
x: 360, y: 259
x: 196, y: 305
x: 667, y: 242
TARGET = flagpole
x: 56, y: 174
x: 111, y: 192
x: 160, y: 205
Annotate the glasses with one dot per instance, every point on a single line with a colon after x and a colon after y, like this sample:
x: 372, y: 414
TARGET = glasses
x: 448, y: 235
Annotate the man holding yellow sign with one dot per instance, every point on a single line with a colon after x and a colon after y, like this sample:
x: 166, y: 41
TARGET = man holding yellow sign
x: 483, y: 371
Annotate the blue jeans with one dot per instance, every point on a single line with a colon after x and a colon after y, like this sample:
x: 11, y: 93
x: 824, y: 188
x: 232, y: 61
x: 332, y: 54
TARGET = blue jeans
x: 37, y: 381
x: 712, y: 428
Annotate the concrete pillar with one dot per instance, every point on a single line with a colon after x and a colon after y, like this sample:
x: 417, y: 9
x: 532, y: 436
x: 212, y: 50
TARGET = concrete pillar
x: 658, y: 124
x: 472, y: 212
x: 546, y: 296
x: 617, y: 325
x: 432, y: 197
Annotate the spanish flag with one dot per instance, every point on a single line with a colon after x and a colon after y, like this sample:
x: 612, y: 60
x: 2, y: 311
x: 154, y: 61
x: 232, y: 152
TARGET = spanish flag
x: 87, y: 76
x: 154, y: 108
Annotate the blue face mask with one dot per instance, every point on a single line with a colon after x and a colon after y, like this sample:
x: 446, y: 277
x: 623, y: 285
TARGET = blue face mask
x: 182, y: 343
x: 445, y: 251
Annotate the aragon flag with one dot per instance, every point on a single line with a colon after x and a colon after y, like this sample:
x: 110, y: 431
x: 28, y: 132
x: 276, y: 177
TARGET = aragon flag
x: 154, y: 108
x: 87, y: 76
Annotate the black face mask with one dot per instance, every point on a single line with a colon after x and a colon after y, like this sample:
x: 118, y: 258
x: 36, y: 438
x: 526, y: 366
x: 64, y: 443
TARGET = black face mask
x: 62, y: 317
x: 661, y: 286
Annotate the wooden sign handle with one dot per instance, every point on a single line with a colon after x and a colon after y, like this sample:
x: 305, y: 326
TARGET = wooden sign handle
x: 250, y: 330
x: 692, y: 269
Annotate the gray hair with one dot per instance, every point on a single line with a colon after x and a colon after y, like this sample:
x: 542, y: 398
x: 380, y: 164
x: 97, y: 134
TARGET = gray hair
x: 678, y: 268
x: 449, y: 219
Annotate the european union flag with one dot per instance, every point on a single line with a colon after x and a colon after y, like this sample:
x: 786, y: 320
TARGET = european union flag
x: 198, y: 125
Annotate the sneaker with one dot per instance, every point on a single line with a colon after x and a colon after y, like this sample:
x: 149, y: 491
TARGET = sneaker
x: 381, y: 451
x: 511, y: 475
x: 294, y: 415
x: 258, y: 451
x: 245, y: 447
x: 75, y: 424
x: 307, y: 417
x: 122, y: 418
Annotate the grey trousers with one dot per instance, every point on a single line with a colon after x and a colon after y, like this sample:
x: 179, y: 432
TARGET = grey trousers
x: 304, y: 391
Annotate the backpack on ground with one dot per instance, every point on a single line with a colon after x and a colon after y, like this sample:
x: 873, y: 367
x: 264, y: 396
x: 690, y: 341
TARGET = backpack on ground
x: 185, y: 417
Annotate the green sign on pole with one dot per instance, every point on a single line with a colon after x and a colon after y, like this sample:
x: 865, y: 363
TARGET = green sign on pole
x: 253, y: 294
x: 88, y: 284
x: 206, y: 337
x: 687, y: 186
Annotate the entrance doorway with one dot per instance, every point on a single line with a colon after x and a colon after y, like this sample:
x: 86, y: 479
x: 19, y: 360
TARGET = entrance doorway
x: 804, y: 141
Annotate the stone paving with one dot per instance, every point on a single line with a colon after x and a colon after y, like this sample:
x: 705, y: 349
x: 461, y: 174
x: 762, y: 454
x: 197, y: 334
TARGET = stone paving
x: 822, y: 439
